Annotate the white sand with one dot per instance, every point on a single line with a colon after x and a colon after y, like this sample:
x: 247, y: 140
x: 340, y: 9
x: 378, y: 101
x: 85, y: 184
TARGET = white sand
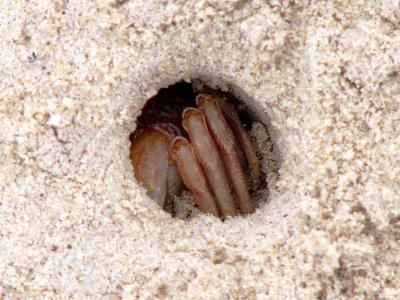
x: 325, y: 79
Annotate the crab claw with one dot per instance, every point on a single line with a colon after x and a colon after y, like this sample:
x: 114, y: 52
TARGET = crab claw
x: 152, y: 166
x: 225, y: 140
x: 207, y: 153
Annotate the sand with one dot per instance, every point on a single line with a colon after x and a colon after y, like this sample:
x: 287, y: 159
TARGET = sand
x: 324, y: 78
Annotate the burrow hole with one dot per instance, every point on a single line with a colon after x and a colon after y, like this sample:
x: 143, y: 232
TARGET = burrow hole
x: 167, y: 107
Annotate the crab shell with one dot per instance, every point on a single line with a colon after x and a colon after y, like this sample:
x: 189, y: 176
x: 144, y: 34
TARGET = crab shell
x: 211, y: 163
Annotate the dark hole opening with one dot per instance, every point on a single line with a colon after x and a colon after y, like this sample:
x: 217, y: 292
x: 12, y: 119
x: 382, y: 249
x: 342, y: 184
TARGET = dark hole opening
x: 168, y: 104
x: 167, y: 107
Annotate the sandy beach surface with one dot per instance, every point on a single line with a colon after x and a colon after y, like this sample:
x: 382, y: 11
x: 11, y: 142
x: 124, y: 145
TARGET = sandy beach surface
x: 323, y: 76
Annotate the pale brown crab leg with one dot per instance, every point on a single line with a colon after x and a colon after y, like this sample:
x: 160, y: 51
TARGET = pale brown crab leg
x: 192, y: 175
x: 207, y: 153
x: 240, y: 133
x: 243, y: 138
x: 225, y: 140
x: 174, y: 180
x: 201, y: 88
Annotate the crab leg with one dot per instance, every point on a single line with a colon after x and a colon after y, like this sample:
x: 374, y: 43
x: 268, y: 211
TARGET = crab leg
x: 207, y: 153
x: 174, y: 180
x: 201, y: 88
x: 244, y: 140
x: 192, y: 175
x: 226, y: 142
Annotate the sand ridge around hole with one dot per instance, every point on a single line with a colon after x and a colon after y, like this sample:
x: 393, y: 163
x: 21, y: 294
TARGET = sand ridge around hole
x: 322, y: 76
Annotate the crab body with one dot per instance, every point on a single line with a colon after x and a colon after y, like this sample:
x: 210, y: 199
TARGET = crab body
x: 207, y: 148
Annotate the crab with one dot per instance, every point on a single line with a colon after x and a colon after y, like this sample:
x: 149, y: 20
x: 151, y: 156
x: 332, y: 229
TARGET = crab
x: 205, y: 150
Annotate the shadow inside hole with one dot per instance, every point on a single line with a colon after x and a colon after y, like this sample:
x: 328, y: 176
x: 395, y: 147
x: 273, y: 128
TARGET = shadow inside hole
x: 167, y: 107
x: 168, y: 104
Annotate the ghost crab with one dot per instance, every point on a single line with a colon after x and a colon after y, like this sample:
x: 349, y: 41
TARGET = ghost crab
x: 204, y: 148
